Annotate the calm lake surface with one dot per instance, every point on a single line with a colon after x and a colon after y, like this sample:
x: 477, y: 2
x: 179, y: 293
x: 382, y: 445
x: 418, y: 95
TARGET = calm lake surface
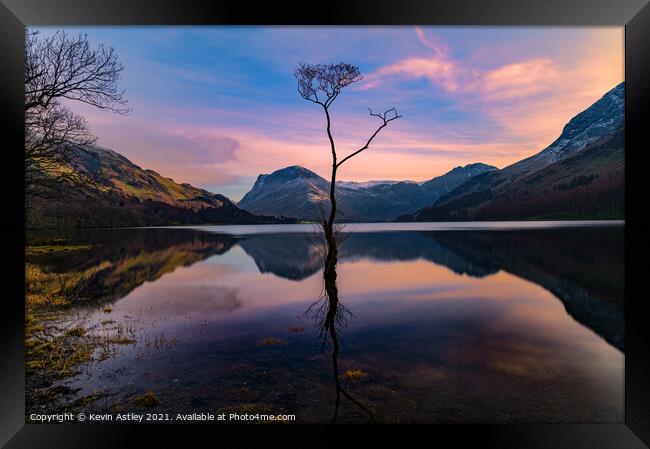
x: 467, y: 322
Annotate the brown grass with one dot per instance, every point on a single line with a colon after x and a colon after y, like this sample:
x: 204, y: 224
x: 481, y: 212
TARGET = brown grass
x: 354, y: 375
x: 148, y: 399
x: 272, y: 342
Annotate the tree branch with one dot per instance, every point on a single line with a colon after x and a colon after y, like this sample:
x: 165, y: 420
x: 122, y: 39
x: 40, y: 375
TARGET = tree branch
x: 59, y: 67
x: 385, y: 121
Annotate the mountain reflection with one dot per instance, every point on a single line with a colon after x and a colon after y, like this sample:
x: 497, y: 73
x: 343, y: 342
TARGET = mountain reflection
x: 120, y: 260
x: 290, y: 256
x: 582, y: 267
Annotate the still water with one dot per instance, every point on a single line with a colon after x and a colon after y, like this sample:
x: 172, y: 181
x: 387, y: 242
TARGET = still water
x: 458, y: 323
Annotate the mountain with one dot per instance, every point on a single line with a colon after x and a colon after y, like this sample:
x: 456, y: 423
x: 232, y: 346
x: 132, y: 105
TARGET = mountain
x: 579, y: 176
x: 297, y: 192
x: 452, y: 179
x: 602, y: 118
x: 366, y: 184
x: 116, y: 193
x: 294, y: 191
x: 589, y: 185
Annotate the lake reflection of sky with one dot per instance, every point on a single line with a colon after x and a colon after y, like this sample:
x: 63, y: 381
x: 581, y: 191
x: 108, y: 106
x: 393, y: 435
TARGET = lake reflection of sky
x: 465, y: 327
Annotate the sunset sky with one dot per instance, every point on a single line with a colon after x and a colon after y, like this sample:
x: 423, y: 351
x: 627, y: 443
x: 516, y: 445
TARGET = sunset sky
x: 216, y: 106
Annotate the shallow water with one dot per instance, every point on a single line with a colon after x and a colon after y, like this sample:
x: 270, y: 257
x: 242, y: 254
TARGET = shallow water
x: 497, y: 322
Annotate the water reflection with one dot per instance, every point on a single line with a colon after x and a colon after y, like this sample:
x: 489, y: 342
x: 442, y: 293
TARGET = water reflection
x: 120, y: 260
x: 330, y: 313
x: 582, y: 267
x: 448, y: 326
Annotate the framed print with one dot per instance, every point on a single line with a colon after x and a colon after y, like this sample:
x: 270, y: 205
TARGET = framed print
x: 420, y: 220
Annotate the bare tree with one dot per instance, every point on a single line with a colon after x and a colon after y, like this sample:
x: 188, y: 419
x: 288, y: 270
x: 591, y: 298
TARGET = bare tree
x: 321, y: 84
x: 58, y: 68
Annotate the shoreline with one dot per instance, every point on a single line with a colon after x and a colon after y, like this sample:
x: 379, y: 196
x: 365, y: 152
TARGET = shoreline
x: 378, y: 226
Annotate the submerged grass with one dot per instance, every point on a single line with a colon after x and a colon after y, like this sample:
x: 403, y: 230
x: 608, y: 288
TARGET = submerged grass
x: 272, y: 342
x: 123, y: 341
x: 354, y: 374
x: 148, y: 399
x: 88, y: 399
x: 58, y: 345
x: 58, y: 357
x: 78, y: 331
x: 47, y: 249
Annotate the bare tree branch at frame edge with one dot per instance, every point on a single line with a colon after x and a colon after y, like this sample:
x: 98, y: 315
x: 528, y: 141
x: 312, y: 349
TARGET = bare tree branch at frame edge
x: 60, y: 68
x: 322, y: 84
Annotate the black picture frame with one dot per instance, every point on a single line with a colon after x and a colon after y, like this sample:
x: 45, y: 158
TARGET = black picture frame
x: 633, y: 14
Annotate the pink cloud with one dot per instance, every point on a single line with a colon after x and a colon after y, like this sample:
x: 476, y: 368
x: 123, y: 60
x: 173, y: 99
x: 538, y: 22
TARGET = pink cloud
x: 519, y: 79
x: 183, y: 153
x: 438, y: 70
x: 512, y: 80
x: 528, y: 101
x: 431, y: 42
x: 540, y: 119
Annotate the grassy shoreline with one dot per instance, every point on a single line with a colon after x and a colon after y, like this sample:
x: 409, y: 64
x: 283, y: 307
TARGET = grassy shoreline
x: 59, y: 345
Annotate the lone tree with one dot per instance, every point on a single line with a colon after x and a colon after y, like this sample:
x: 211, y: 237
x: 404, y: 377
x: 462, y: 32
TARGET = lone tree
x: 59, y: 68
x: 321, y: 84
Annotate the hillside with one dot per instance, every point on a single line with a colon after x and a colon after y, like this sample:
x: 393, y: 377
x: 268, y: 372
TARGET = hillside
x: 117, y: 193
x: 579, y: 176
x: 590, y: 185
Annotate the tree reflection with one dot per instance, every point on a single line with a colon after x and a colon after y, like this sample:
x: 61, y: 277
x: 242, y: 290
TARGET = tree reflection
x: 329, y: 313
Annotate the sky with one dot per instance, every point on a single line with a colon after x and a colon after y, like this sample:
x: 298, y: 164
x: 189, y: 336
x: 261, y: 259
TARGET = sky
x: 215, y: 106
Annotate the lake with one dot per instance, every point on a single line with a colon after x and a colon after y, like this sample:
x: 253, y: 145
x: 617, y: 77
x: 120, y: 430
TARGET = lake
x: 460, y: 322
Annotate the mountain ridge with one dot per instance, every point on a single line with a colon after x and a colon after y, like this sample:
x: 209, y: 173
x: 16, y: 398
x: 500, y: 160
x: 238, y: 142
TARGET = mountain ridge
x: 117, y: 193
x: 300, y: 193
x: 604, y: 119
